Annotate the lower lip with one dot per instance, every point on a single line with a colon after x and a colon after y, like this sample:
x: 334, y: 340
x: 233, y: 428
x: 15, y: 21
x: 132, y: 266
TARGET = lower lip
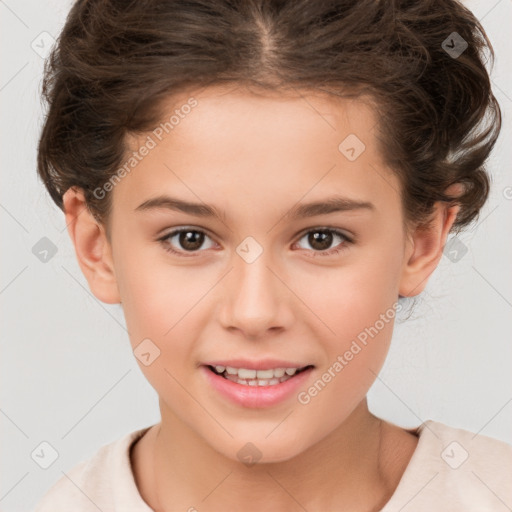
x: 256, y: 396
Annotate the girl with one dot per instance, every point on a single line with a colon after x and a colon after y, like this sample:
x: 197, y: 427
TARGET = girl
x: 260, y: 184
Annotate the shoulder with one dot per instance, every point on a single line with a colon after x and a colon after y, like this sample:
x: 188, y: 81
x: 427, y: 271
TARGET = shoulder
x: 473, y: 453
x: 455, y: 469
x: 96, y: 483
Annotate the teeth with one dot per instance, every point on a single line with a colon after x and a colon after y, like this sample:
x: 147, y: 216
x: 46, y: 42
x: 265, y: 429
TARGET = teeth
x: 246, y: 374
x: 257, y: 382
x: 249, y: 377
x: 265, y: 374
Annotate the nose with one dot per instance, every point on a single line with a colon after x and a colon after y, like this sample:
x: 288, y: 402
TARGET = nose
x: 256, y: 299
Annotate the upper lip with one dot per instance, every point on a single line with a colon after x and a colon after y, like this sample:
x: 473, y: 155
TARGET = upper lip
x: 263, y: 364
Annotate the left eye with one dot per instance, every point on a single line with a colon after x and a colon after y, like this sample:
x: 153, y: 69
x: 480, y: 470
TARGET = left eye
x: 322, y: 238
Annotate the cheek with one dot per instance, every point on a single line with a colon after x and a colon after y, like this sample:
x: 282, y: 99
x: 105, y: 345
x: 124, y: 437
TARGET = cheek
x: 160, y: 305
x: 343, y: 301
x: 355, y: 305
x: 156, y: 316
x: 354, y: 358
x: 157, y: 297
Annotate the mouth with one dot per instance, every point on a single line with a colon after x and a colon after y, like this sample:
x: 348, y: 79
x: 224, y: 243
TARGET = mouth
x: 267, y: 384
x: 257, y: 378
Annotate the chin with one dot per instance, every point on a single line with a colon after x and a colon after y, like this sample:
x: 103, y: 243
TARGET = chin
x: 262, y: 451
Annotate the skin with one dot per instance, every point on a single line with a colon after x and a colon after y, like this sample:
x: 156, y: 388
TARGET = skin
x: 239, y: 151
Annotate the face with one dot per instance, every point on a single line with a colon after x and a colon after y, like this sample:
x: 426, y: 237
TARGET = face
x: 268, y: 283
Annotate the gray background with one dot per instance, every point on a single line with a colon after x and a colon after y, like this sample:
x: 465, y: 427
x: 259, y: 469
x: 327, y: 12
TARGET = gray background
x: 68, y: 375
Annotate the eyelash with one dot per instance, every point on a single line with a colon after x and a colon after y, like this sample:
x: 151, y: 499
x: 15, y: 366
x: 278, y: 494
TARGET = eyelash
x: 328, y: 252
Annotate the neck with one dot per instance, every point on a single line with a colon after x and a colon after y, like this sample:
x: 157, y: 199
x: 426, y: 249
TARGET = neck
x: 352, y: 466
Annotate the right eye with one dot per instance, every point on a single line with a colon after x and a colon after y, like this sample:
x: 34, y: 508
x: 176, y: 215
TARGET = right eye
x: 190, y: 239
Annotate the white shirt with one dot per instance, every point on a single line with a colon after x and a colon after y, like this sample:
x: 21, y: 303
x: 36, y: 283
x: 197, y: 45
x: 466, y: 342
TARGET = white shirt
x: 451, y: 470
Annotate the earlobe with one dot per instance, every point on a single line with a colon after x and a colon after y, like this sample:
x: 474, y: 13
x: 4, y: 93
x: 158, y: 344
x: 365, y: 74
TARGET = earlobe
x: 92, y: 249
x: 424, y: 250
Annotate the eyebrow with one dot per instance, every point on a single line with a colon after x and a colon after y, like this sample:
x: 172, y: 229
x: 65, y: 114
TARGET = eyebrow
x: 299, y: 211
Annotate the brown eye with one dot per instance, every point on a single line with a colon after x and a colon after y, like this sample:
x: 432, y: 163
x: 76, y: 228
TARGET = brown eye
x: 191, y: 240
x: 321, y: 239
x: 186, y: 240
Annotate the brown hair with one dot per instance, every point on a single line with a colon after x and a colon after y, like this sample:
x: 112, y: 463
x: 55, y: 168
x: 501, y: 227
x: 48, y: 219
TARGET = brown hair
x: 115, y: 61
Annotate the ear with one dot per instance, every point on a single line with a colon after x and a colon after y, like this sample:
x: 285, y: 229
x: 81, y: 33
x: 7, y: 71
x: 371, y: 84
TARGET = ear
x: 425, y: 246
x: 92, y: 248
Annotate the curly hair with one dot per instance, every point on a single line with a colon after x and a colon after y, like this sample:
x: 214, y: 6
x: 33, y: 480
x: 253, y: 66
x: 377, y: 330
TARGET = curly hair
x: 116, y: 61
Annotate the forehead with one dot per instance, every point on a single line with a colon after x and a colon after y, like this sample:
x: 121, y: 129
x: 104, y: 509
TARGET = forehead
x: 273, y: 147
x: 290, y: 115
